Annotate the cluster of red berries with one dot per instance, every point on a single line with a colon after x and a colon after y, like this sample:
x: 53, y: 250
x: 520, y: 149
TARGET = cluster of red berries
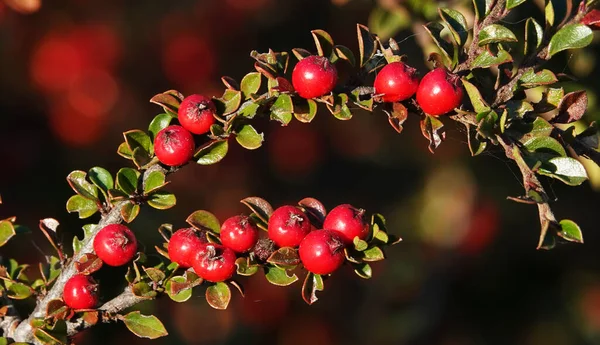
x: 115, y: 245
x: 437, y: 93
x: 321, y: 251
x: 174, y: 145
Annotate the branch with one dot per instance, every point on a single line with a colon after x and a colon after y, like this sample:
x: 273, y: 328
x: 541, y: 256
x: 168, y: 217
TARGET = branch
x: 10, y: 319
x: 24, y: 332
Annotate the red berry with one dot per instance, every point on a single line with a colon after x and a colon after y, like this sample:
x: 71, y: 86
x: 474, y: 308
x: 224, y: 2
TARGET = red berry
x: 314, y: 76
x: 214, y: 262
x: 439, y: 92
x: 196, y: 114
x: 239, y: 234
x: 348, y: 222
x: 396, y: 82
x: 184, y: 245
x: 288, y: 226
x: 174, y: 146
x: 81, y: 292
x: 115, y: 245
x: 322, y: 252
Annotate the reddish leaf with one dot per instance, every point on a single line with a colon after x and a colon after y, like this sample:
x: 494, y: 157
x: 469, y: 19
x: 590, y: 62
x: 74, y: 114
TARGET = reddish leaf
x: 432, y: 130
x: 572, y: 107
x: 397, y: 116
x: 314, y: 209
x: 592, y: 19
x: 88, y: 264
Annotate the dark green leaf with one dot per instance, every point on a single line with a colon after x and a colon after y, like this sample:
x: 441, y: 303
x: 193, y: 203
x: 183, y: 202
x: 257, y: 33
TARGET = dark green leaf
x: 178, y: 289
x: 345, y: 53
x: 229, y: 102
x: 323, y: 42
x: 431, y: 128
x: 570, y: 231
x: 155, y: 180
x: 50, y: 270
x: 81, y: 186
x: 479, y: 104
x: 137, y: 138
x: 496, y: 33
x: 142, y: 289
x: 155, y: 274
x: 218, y: 296
x: 16, y: 290
x: 279, y: 276
x: 540, y: 128
x: 363, y: 270
x: 7, y: 231
x: 212, y: 153
x: 434, y: 30
x: 366, y: 44
x: 312, y: 284
x: 482, y: 8
x: 476, y: 146
x: 160, y: 122
x: 534, y: 34
x: 251, y: 84
x: 248, y: 109
x: 249, y: 138
x: 546, y: 145
x: 162, y: 200
x: 244, y: 268
x: 127, y: 180
x: 457, y: 24
x: 102, y: 179
x: 130, y: 211
x: 144, y: 326
x: 572, y: 36
x: 124, y: 151
x: 572, y: 107
x: 282, y: 109
x: 261, y: 207
x: 204, y: 220
x: 169, y: 101
x: 566, y: 169
x: 340, y: 107
x: 305, y: 110
x: 486, y: 59
x: 533, y: 79
x: 510, y: 4
x: 85, y: 207
x: 315, y: 209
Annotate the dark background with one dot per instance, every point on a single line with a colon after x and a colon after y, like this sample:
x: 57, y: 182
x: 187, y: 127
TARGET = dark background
x: 75, y: 74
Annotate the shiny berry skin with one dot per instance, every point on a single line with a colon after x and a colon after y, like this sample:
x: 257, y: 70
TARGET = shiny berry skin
x: 214, y: 262
x: 322, y: 251
x: 81, y: 292
x: 396, y: 82
x: 288, y: 226
x: 439, y: 92
x: 314, y: 76
x: 115, y: 245
x: 184, y: 245
x: 239, y: 234
x: 174, y: 145
x: 196, y: 114
x: 348, y: 222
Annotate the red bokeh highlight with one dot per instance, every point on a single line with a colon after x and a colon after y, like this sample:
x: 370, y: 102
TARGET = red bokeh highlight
x: 188, y: 60
x: 294, y: 149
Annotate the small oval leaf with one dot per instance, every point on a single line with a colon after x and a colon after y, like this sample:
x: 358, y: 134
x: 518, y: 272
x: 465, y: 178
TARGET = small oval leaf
x: 144, y: 326
x: 218, y: 295
x: 572, y: 36
x: 204, y: 220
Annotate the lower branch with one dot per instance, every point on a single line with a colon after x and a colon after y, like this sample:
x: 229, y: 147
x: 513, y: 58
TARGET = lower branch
x: 10, y: 319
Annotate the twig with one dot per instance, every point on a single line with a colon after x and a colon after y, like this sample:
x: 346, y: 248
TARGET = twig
x: 11, y: 319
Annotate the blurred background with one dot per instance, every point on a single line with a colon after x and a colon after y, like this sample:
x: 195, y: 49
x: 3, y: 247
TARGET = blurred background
x: 75, y: 74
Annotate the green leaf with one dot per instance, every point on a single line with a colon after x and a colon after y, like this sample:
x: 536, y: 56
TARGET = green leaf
x: 250, y: 84
x: 282, y: 109
x: 85, y: 207
x: 359, y: 245
x: 431, y: 128
x: 534, y: 34
x: 305, y: 110
x: 479, y: 104
x: 48, y: 337
x: 533, y: 79
x: 570, y: 231
x: 540, y: 128
x: 312, y: 284
x: 102, y: 179
x: 387, y: 22
x: 323, y: 42
x: 249, y: 138
x: 340, y: 107
x: 81, y: 186
x: 566, y: 169
x: 212, y: 153
x: 16, y: 290
x: 218, y: 296
x: 457, y: 24
x: 204, y: 220
x: 279, y: 276
x: 178, y: 289
x: 7, y: 231
x: 363, y: 270
x: 127, y: 180
x: 155, y: 180
x: 162, y: 200
x: 476, y: 146
x: 482, y: 8
x: 496, y: 33
x: 137, y: 138
x: 547, y: 145
x: 366, y: 44
x: 160, y: 122
x: 144, y: 326
x: 549, y: 13
x: 244, y: 268
x: 345, y: 53
x: 434, y: 30
x: 229, y: 102
x: 510, y: 4
x: 169, y: 101
x: 124, y: 151
x: 572, y: 36
x: 486, y: 59
x: 248, y: 109
x: 373, y: 254
x: 130, y: 211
